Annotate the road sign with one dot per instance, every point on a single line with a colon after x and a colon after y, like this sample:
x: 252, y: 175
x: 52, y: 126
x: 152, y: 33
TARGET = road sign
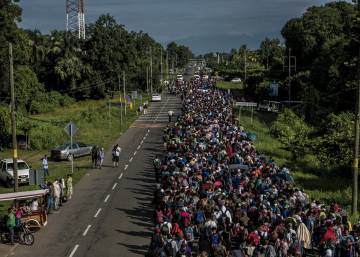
x: 70, y: 128
x: 245, y: 104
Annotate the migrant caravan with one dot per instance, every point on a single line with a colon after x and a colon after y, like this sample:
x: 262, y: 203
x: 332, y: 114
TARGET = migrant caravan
x: 218, y: 197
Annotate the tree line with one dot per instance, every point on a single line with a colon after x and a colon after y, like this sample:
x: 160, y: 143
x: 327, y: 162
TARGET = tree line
x: 55, y: 69
x: 323, y: 45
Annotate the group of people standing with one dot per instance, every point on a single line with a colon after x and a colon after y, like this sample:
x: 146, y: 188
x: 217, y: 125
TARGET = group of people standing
x: 59, y: 191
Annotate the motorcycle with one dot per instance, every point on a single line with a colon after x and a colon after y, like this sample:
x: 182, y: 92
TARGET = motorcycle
x: 22, y: 235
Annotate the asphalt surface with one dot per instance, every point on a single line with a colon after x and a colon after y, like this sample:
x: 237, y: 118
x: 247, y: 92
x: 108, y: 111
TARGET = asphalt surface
x: 110, y: 213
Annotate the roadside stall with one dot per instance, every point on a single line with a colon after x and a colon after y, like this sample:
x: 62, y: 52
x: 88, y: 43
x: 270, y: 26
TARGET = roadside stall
x: 32, y: 204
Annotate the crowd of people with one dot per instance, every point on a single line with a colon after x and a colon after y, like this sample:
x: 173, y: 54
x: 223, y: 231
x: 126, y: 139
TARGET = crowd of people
x: 217, y: 196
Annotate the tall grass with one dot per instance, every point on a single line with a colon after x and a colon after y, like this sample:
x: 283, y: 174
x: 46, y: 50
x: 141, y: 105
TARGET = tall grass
x: 327, y: 184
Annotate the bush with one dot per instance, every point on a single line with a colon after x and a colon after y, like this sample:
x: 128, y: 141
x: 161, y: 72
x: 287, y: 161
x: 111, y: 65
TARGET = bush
x: 293, y: 132
x: 45, y: 136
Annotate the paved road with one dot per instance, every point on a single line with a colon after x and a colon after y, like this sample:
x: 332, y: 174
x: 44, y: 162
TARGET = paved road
x: 110, y: 214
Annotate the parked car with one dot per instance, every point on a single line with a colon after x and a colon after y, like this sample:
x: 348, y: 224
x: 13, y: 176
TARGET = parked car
x: 7, y: 172
x: 236, y: 80
x: 156, y: 98
x: 66, y: 152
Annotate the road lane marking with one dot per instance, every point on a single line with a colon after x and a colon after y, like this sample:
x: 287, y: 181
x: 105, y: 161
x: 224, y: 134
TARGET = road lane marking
x: 120, y: 176
x: 131, y: 159
x: 114, y: 186
x: 107, y: 198
x: 97, y: 213
x: 148, y: 130
x: 86, y: 230
x: 135, y: 153
x: 126, y: 166
x: 74, y: 251
x: 138, y: 147
x: 142, y: 141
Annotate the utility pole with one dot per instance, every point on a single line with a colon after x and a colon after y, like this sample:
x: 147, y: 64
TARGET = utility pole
x: 245, y: 65
x: 161, y: 67
x: 147, y: 79
x: 109, y: 112
x: 167, y: 65
x: 13, y: 117
x: 289, y: 85
x: 124, y: 92
x: 357, y: 137
x: 151, y: 71
x: 121, y: 115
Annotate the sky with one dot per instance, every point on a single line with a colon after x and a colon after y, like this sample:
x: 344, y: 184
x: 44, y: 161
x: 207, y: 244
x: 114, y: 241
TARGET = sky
x: 203, y: 25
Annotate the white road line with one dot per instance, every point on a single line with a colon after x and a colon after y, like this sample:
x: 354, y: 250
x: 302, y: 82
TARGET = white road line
x: 114, y: 186
x: 107, y: 198
x: 144, y: 138
x: 148, y: 130
x: 142, y: 141
x: 131, y: 159
x: 86, y: 230
x: 135, y: 153
x: 120, y: 176
x: 97, y: 213
x: 138, y: 147
x: 74, y: 250
x: 126, y: 166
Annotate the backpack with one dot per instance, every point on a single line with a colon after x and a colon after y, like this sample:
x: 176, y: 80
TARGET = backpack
x: 168, y: 249
x: 199, y: 217
x: 222, y: 217
x: 159, y: 217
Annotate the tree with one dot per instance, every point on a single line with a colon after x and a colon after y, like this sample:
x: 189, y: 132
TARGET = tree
x: 334, y: 146
x: 292, y: 132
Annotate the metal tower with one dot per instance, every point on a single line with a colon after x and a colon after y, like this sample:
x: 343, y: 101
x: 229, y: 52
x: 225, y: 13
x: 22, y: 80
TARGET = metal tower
x: 75, y: 17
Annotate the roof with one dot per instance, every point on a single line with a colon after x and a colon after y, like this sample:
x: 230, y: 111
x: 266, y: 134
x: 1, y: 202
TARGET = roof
x: 23, y: 195
x: 10, y: 160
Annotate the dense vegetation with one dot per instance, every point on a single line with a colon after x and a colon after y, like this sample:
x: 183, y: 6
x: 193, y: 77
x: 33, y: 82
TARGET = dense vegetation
x: 54, y: 70
x: 325, y: 42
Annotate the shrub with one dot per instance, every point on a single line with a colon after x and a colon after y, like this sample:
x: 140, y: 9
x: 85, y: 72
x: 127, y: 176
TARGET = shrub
x: 45, y: 136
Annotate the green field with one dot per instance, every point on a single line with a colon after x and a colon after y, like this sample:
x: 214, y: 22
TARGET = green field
x: 229, y: 85
x: 319, y: 182
x: 95, y: 126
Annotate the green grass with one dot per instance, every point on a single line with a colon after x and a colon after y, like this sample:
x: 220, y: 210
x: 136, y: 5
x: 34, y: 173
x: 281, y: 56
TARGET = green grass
x: 229, y: 85
x: 94, y: 126
x: 321, y: 183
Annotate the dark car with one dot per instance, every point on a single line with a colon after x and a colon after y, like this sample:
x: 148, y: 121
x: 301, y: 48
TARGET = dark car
x: 66, y: 152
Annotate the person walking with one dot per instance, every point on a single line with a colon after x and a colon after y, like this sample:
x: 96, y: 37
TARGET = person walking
x: 45, y: 166
x: 94, y: 152
x: 116, y: 155
x: 101, y: 157
x: 145, y: 108
x: 11, y: 224
x: 69, y: 186
x: 57, y: 193
x: 170, y: 114
x: 49, y: 197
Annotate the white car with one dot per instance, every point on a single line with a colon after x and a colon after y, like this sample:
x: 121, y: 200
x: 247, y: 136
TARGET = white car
x: 236, y: 80
x: 156, y: 98
x: 7, y: 172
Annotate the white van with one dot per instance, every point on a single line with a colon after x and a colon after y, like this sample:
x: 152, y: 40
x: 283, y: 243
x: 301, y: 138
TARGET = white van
x: 7, y: 169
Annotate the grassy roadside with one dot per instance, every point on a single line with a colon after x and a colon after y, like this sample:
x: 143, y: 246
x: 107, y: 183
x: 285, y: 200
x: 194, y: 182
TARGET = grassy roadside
x: 229, y: 85
x: 95, y: 126
x: 319, y: 182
